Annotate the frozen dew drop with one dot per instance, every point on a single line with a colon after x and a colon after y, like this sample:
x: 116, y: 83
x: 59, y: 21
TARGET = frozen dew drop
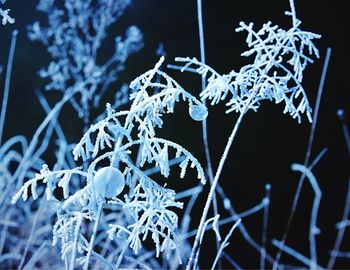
x: 108, y: 182
x: 227, y: 204
x: 341, y: 114
x: 198, y: 112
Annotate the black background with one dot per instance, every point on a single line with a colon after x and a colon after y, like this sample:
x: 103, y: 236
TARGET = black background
x: 268, y: 141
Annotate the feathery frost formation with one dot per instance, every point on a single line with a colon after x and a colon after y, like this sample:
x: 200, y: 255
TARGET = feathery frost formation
x: 4, y: 13
x: 280, y: 57
x: 139, y: 206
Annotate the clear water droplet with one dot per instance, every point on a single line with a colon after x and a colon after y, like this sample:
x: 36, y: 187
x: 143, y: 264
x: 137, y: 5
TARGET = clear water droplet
x: 198, y: 112
x: 109, y: 182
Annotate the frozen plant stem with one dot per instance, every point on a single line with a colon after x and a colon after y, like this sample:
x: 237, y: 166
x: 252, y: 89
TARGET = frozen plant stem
x: 307, y: 157
x: 93, y: 236
x: 31, y: 235
x: 204, y: 122
x: 225, y: 243
x: 7, y: 82
x: 294, y: 16
x: 341, y: 231
x: 76, y: 238
x: 212, y: 188
x: 341, y: 115
x: 316, y: 204
x: 300, y: 257
x: 265, y: 223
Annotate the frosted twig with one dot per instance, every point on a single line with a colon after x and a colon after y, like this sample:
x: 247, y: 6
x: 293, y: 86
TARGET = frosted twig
x: 225, y: 243
x: 75, y: 244
x: 204, y: 122
x: 292, y: 7
x: 93, y: 236
x: 201, y: 233
x: 212, y: 188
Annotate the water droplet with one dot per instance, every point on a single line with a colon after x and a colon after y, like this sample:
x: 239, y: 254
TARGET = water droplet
x: 198, y: 112
x: 109, y: 182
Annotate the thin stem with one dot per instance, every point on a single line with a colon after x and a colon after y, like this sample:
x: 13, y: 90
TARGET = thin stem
x: 314, y: 212
x: 225, y: 243
x: 201, y: 34
x: 31, y: 235
x: 212, y: 189
x: 241, y: 226
x: 233, y: 218
x: 76, y: 238
x: 307, y: 157
x: 231, y: 261
x: 300, y: 257
x: 341, y: 115
x: 265, y: 223
x: 341, y: 231
x: 294, y: 16
x: 204, y: 122
x: 7, y: 82
x: 93, y: 236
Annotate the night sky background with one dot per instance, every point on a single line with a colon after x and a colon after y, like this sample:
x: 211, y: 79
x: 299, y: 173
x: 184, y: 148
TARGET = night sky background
x: 268, y: 141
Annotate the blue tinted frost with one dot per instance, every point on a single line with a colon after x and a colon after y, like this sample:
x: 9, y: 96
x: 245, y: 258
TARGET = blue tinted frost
x: 279, y: 58
x: 108, y: 182
x: 4, y: 14
x: 73, y: 37
x: 147, y: 207
x: 198, y: 112
x: 105, y: 202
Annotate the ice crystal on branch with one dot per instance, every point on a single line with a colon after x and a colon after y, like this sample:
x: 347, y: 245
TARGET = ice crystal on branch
x: 6, y: 18
x: 280, y: 57
x: 144, y: 207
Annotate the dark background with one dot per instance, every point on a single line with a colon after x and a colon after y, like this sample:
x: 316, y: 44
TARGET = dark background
x: 268, y: 142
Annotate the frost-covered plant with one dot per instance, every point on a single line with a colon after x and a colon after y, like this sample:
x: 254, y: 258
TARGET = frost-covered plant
x: 280, y: 57
x: 275, y: 74
x: 113, y: 211
x: 6, y: 18
x: 73, y: 48
x: 146, y: 209
x: 73, y: 37
x: 16, y: 242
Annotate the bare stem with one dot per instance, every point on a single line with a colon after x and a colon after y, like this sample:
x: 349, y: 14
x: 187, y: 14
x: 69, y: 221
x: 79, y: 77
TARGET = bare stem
x: 212, y: 189
x: 307, y: 158
x: 7, y: 82
x: 265, y: 223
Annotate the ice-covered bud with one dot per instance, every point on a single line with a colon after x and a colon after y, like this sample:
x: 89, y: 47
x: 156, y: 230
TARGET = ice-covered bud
x: 108, y: 182
x: 198, y: 112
